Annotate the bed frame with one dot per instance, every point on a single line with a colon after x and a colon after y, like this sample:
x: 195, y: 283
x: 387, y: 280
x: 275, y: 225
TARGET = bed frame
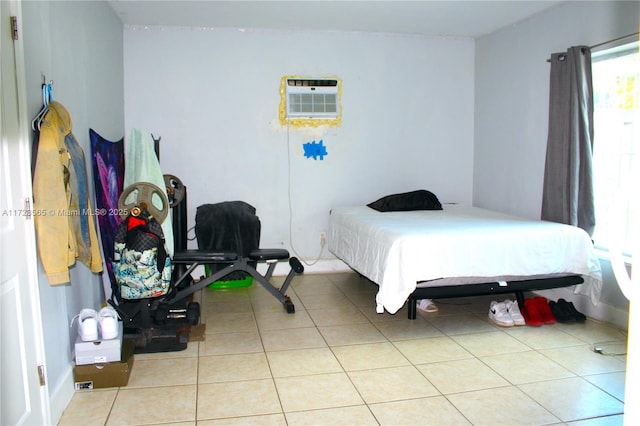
x: 482, y: 289
x: 487, y: 236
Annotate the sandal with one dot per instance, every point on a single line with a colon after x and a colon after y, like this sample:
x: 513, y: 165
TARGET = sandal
x: 427, y: 305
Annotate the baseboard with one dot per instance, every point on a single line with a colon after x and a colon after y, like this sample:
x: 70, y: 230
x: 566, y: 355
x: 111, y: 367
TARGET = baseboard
x: 602, y: 312
x: 322, y: 266
x: 60, y: 396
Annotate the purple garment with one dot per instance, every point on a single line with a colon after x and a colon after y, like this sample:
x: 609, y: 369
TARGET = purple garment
x: 108, y: 178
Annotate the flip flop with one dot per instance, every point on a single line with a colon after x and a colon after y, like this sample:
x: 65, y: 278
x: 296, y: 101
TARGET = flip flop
x: 427, y: 305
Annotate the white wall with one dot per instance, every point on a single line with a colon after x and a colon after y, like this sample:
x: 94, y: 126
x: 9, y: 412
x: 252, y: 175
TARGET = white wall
x: 78, y: 45
x: 512, y: 97
x: 511, y: 112
x: 213, y: 96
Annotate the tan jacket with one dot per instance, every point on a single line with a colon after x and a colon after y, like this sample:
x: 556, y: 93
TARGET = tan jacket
x: 58, y: 219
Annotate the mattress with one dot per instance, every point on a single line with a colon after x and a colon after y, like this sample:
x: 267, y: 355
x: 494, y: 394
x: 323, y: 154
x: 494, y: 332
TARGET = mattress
x: 398, y: 250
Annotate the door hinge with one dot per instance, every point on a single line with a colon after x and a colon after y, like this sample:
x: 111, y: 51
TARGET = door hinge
x: 41, y: 375
x: 27, y: 208
x: 14, y: 27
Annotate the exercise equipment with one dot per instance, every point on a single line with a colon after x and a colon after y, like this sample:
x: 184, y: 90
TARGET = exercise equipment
x: 176, y: 190
x: 144, y: 194
x: 234, y: 263
x: 162, y: 324
x: 177, y: 195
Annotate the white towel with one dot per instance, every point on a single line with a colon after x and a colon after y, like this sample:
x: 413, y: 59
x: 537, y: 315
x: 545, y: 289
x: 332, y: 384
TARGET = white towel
x: 141, y: 165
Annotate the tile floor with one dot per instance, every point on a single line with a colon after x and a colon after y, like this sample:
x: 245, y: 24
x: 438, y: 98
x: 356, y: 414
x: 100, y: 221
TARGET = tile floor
x: 335, y: 361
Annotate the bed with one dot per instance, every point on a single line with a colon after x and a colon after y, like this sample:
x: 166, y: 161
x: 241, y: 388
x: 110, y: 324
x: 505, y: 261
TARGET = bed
x: 460, y: 251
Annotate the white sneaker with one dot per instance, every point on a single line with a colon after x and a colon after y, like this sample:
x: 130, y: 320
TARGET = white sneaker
x: 514, y: 311
x: 108, y: 318
x: 87, y: 325
x: 499, y: 315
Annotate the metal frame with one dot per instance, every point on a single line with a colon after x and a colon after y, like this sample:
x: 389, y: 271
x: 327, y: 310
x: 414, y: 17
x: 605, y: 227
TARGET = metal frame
x: 467, y: 290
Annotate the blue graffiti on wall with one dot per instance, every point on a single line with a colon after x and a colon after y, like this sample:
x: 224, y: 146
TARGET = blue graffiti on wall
x: 314, y: 150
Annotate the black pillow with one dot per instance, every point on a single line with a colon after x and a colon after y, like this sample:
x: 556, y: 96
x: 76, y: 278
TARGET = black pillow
x: 414, y: 200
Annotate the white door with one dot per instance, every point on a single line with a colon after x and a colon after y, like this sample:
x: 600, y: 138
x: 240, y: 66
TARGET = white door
x: 23, y: 400
x: 630, y: 286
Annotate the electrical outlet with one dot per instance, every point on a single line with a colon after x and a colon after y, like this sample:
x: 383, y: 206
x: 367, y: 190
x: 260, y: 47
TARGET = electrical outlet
x: 323, y: 238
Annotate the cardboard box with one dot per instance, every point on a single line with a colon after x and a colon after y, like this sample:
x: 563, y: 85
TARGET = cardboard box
x: 107, y: 375
x: 197, y: 333
x: 99, y: 351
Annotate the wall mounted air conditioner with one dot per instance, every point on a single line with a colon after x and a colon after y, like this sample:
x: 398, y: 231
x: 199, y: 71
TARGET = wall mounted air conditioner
x: 312, y: 98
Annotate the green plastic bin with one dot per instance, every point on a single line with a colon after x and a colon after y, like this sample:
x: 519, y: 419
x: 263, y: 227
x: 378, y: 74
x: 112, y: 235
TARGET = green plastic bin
x: 241, y: 282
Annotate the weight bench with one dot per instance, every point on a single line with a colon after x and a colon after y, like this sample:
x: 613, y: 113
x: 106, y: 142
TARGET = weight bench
x: 160, y: 324
x: 194, y: 258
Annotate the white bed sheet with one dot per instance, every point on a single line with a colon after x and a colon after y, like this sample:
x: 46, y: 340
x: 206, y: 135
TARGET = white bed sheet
x: 396, y: 250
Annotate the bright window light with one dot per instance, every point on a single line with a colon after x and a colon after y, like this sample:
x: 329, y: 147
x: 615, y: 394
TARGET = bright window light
x: 616, y: 153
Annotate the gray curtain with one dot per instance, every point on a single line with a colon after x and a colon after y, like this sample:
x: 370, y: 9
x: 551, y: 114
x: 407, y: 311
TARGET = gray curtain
x: 567, y: 195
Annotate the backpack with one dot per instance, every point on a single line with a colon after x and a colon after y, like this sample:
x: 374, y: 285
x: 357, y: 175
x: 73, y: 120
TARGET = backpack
x: 140, y: 263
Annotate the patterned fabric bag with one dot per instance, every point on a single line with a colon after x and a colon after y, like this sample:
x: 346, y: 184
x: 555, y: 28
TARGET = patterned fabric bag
x: 140, y: 262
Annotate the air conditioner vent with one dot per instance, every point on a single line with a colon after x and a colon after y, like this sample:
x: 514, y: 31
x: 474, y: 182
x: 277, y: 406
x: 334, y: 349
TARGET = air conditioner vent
x: 307, y: 83
x: 312, y: 98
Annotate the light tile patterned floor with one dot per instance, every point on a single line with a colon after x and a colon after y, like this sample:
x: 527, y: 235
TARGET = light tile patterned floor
x: 335, y: 361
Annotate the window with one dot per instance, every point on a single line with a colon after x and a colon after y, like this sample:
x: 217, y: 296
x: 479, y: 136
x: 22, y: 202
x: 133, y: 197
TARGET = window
x: 616, y: 151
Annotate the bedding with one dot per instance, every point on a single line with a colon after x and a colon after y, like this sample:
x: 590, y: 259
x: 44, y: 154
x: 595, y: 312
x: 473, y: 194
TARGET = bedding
x: 400, y: 250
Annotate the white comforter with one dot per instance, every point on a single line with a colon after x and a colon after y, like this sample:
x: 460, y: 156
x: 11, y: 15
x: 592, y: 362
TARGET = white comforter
x: 398, y: 249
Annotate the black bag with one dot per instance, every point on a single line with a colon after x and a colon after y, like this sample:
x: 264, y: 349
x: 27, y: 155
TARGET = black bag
x: 230, y: 226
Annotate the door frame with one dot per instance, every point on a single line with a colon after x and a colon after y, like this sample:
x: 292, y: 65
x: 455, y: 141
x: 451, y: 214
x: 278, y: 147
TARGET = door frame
x: 23, y: 187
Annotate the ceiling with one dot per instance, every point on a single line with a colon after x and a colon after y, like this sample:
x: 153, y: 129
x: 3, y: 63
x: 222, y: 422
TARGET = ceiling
x: 429, y: 17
